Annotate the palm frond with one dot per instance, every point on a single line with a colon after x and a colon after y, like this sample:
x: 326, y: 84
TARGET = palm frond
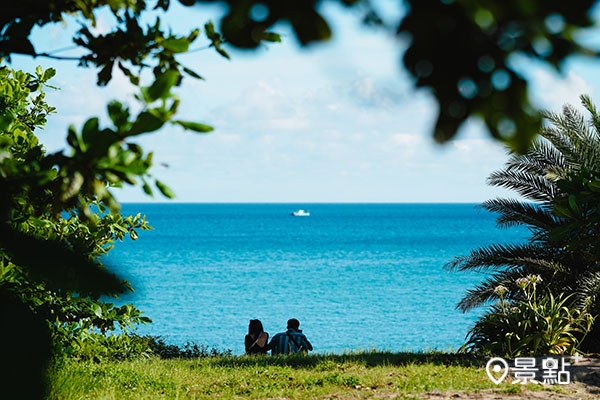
x: 587, y: 103
x: 484, y: 292
x: 512, y: 212
x: 499, y: 257
x: 541, y: 157
x: 573, y: 137
x: 531, y: 186
x: 588, y: 293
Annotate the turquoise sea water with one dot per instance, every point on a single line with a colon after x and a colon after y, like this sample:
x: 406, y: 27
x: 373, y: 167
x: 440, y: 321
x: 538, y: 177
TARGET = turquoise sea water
x: 357, y: 276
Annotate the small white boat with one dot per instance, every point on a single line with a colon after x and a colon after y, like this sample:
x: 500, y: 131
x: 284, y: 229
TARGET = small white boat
x: 300, y: 213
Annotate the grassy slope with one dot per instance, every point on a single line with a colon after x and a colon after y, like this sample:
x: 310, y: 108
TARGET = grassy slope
x: 347, y: 376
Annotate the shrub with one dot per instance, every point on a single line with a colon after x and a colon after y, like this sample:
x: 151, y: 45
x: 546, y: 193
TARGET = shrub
x: 189, y: 350
x: 85, y: 345
x: 532, y: 326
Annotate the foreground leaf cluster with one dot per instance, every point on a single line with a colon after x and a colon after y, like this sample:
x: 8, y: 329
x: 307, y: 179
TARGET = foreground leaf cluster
x: 461, y: 51
x: 54, y: 229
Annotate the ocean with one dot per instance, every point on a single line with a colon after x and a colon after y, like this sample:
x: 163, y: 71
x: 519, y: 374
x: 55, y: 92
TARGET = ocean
x: 357, y: 276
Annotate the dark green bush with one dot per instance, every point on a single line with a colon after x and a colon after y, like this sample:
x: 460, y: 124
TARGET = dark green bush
x: 537, y: 325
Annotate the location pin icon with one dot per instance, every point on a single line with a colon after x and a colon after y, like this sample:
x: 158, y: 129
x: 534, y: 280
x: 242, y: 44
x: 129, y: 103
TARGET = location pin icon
x: 493, y: 368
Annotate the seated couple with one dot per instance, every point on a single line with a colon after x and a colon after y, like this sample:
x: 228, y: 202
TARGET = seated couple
x: 290, y: 341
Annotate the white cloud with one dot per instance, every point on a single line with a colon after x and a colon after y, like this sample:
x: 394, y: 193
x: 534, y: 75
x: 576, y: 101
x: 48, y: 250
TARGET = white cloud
x: 262, y: 107
x: 552, y: 91
x: 405, y: 140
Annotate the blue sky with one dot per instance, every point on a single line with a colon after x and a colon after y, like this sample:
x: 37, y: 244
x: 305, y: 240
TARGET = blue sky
x: 338, y: 122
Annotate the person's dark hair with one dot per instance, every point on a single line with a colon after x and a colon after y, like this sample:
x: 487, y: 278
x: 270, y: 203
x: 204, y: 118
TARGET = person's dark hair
x: 293, y: 324
x: 255, y: 327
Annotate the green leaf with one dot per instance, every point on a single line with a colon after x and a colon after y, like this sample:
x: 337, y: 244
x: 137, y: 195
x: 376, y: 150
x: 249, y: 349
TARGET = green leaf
x: 310, y: 27
x: 119, y: 115
x: 595, y: 185
x: 192, y: 73
x: 99, y: 142
x: 215, y: 38
x: 194, y: 126
x: 210, y: 29
x: 145, y: 122
x: 573, y: 203
x: 193, y: 35
x: 120, y: 228
x: 89, y: 132
x: 147, y: 189
x: 97, y: 310
x: 5, y: 120
x: 165, y: 190
x: 161, y: 87
x: 271, y: 37
x: 222, y: 52
x: 105, y: 74
x: 73, y: 138
x: 48, y: 74
x: 176, y: 45
x: 91, y: 125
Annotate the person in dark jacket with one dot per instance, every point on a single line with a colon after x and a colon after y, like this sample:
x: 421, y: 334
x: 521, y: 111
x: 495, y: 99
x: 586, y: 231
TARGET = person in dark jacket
x: 290, y: 341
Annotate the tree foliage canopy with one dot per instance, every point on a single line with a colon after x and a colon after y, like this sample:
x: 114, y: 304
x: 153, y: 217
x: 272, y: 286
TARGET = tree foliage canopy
x: 461, y: 50
x: 54, y: 229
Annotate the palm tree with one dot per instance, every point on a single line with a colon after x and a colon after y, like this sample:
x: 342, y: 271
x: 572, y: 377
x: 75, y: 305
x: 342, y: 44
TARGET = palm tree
x: 558, y: 180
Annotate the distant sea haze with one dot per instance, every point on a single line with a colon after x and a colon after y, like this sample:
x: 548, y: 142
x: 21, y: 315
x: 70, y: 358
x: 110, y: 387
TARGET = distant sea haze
x: 357, y: 276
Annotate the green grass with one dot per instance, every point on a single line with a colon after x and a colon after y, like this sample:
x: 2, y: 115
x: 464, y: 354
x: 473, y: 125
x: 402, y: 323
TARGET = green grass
x: 347, y: 376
